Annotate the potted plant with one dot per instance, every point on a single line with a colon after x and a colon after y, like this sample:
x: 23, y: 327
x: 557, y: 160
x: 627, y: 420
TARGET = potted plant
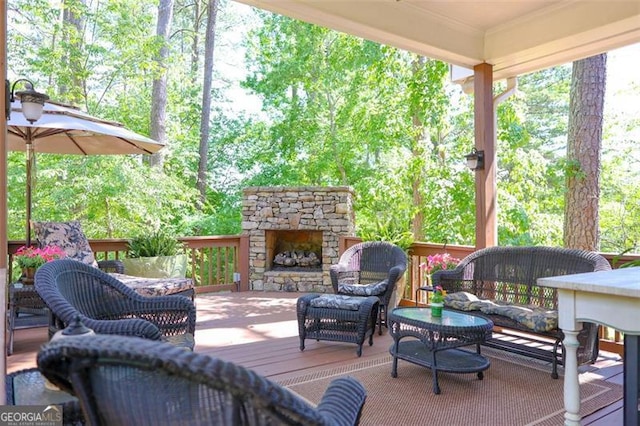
x: 436, y: 263
x: 29, y: 259
x: 155, y: 255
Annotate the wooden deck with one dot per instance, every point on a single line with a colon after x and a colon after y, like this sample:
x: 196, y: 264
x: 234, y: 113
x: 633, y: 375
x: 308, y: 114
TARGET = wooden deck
x: 259, y: 330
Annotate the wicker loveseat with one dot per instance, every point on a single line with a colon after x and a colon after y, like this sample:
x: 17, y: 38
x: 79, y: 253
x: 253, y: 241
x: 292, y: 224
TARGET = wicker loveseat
x: 125, y: 380
x: 501, y: 283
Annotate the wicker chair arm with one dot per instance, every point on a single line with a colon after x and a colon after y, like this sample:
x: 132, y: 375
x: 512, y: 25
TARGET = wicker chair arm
x: 444, y: 276
x: 111, y: 266
x: 124, y: 327
x: 342, y: 402
x: 395, y: 274
x: 335, y: 272
x: 170, y: 314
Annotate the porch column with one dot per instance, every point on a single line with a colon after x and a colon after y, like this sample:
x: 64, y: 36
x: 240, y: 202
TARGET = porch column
x: 486, y: 222
x: 3, y: 199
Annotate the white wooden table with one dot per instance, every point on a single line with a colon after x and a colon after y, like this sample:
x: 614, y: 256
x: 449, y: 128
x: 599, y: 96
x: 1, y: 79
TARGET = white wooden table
x: 610, y: 298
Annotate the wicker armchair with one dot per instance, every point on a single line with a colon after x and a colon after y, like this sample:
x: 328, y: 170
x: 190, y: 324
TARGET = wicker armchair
x: 125, y: 380
x: 71, y: 288
x: 26, y: 308
x: 509, y: 275
x: 368, y: 263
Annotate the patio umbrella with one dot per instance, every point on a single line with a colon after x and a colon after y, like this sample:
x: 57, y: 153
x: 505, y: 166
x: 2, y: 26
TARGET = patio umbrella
x: 63, y: 129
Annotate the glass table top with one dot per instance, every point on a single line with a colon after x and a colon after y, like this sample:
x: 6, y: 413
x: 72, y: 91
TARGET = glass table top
x: 448, y: 318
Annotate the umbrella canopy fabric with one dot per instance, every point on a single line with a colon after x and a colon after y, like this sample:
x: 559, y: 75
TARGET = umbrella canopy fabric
x: 63, y: 129
x: 67, y: 130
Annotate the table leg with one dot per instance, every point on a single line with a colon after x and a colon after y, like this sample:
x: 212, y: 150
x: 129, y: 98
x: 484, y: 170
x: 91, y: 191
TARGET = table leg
x: 434, y: 371
x: 571, y: 383
x: 631, y: 378
x: 394, y: 364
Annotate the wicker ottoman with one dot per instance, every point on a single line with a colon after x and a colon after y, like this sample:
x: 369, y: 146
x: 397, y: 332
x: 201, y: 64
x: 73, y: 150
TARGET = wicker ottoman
x: 336, y: 317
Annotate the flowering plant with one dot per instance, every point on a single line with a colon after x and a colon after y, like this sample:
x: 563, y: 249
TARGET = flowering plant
x: 31, y: 257
x: 438, y: 262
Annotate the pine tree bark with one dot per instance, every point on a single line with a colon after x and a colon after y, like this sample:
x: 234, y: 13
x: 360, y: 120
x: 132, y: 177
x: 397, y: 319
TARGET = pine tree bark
x: 159, y: 89
x: 73, y: 35
x: 586, y: 105
x: 205, y: 125
x: 195, y: 42
x: 417, y: 151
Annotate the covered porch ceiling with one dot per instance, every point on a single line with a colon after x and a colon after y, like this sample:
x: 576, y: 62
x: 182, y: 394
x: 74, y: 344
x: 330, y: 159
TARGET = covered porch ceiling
x: 514, y: 36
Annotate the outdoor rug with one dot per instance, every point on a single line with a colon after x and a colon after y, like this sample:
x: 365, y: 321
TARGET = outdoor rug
x: 513, y: 392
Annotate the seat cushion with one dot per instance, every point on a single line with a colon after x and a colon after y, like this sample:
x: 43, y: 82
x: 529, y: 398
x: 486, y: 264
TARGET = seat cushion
x: 464, y: 301
x: 337, y: 301
x: 68, y: 236
x: 155, y: 286
x: 185, y: 341
x: 533, y: 317
x: 375, y: 289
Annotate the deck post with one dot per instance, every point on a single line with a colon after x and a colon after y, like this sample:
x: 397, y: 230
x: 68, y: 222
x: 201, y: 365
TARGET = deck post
x: 3, y: 198
x: 243, y: 262
x: 486, y: 222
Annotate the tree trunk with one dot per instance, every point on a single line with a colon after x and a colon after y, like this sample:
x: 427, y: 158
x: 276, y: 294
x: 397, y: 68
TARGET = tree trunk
x: 73, y: 35
x: 418, y: 151
x: 581, y: 223
x: 195, y: 43
x: 209, y: 44
x: 159, y: 90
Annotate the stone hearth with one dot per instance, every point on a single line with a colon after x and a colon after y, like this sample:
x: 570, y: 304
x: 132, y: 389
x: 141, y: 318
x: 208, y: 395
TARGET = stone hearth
x: 279, y: 219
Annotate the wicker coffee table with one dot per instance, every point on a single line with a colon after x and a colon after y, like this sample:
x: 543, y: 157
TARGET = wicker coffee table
x: 433, y: 342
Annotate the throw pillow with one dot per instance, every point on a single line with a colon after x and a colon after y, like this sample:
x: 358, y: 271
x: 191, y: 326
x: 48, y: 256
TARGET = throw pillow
x: 375, y: 289
x: 68, y: 236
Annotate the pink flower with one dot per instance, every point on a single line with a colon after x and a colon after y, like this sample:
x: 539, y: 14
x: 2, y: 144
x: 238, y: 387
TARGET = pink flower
x: 31, y: 257
x: 438, y: 262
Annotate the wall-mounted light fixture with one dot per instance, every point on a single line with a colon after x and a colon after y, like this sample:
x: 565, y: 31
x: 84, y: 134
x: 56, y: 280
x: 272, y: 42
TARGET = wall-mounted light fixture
x: 32, y: 101
x: 475, y: 160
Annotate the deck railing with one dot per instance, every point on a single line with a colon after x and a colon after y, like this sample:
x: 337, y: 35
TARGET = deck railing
x: 221, y: 263
x: 216, y: 263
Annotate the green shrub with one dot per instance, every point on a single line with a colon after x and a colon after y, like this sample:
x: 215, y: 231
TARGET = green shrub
x: 155, y: 244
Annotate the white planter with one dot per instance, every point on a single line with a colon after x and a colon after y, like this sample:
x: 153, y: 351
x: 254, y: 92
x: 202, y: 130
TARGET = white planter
x: 157, y: 267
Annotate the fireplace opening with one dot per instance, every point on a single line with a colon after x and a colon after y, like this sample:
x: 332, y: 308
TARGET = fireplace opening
x: 294, y: 250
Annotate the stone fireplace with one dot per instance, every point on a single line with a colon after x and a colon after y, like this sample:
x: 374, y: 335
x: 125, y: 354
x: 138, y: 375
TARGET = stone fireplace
x: 294, y: 234
x: 302, y: 248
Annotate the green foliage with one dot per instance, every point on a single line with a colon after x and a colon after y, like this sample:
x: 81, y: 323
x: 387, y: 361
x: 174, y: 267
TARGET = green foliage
x: 629, y: 264
x: 387, y: 230
x: 336, y: 110
x: 157, y: 243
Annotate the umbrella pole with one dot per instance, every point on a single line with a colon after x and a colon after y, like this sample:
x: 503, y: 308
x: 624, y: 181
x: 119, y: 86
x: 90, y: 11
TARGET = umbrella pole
x: 28, y: 193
